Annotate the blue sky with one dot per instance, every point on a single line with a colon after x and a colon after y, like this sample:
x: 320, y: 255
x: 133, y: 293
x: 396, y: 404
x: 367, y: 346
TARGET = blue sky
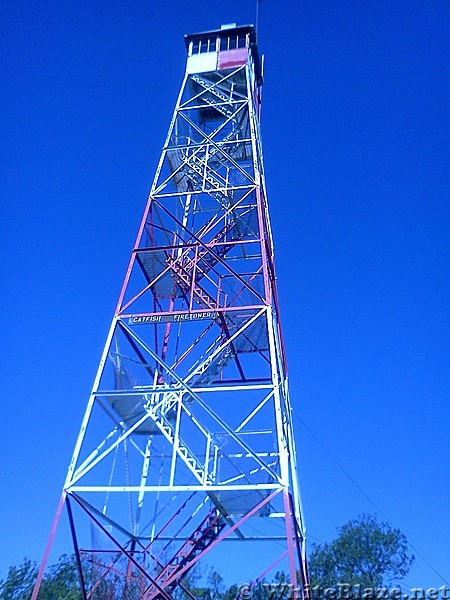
x: 354, y: 134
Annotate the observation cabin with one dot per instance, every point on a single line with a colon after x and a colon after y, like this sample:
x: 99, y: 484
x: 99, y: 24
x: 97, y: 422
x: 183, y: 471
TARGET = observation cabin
x: 229, y: 47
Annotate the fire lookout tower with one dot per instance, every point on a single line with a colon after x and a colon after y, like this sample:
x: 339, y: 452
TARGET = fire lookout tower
x: 187, y: 447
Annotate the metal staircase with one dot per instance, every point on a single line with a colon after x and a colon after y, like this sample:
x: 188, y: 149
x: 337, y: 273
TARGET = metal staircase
x: 212, y: 89
x: 208, y: 530
x: 168, y: 429
x: 198, y: 161
x: 182, y: 267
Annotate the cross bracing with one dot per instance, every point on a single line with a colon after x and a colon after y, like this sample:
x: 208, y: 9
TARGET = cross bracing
x: 187, y: 439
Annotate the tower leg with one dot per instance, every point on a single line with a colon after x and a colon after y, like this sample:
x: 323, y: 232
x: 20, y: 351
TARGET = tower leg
x: 290, y: 542
x: 77, y: 552
x: 303, y: 564
x: 37, y: 585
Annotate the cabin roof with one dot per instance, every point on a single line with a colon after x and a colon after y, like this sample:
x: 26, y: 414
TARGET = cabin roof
x: 235, y: 29
x: 239, y: 28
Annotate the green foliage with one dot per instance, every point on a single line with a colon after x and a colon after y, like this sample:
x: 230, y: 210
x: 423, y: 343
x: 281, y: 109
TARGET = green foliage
x: 214, y: 589
x: 61, y: 582
x: 365, y: 552
x: 19, y: 581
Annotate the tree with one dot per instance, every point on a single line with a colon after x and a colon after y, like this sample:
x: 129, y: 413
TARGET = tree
x: 365, y: 552
x: 61, y: 582
x: 19, y: 581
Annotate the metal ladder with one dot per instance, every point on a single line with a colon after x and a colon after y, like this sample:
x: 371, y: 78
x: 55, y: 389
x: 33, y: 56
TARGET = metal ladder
x: 214, y: 91
x: 208, y: 530
x: 183, y: 450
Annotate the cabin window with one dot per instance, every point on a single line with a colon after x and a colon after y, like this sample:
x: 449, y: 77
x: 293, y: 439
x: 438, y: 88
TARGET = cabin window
x: 207, y: 45
x: 195, y: 46
x: 203, y: 45
x: 232, y: 42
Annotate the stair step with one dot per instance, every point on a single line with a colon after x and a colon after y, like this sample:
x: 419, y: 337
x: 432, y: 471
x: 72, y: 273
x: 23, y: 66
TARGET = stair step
x: 203, y: 536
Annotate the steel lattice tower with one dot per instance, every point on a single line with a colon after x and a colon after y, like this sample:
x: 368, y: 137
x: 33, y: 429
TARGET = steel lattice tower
x: 187, y: 441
